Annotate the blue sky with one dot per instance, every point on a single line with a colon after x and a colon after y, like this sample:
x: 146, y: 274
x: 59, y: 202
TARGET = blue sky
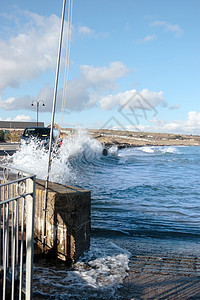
x: 133, y: 64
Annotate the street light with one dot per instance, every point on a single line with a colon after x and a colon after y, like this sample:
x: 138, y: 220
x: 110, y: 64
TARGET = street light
x: 37, y: 106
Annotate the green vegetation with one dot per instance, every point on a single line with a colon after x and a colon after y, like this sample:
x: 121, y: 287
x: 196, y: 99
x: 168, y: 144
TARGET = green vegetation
x: 2, y: 136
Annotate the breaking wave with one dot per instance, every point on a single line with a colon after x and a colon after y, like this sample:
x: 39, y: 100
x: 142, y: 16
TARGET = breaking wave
x: 76, y: 149
x: 162, y: 150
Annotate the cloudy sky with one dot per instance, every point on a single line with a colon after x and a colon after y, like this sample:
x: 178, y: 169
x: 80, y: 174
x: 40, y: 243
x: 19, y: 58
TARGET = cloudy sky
x: 134, y: 64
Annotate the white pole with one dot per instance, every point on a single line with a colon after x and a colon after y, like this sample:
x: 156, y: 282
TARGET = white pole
x: 52, y: 123
x: 30, y: 213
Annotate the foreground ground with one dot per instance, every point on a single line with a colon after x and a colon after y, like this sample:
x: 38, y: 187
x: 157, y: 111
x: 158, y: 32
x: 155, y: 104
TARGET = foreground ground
x: 161, y: 268
x: 159, y: 287
x: 157, y: 271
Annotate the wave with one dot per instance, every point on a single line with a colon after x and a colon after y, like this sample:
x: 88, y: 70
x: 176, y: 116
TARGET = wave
x: 148, y: 227
x: 113, y: 151
x: 148, y: 149
x: 162, y: 150
x: 77, y: 151
x: 79, y: 148
x: 169, y: 149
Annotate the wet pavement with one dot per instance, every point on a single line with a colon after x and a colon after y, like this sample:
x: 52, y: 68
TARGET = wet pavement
x: 162, y: 269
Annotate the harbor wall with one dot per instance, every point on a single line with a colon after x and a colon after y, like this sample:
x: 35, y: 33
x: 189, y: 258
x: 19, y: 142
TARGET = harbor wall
x: 68, y: 223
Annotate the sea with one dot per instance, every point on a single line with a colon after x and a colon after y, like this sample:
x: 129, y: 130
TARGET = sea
x: 145, y: 201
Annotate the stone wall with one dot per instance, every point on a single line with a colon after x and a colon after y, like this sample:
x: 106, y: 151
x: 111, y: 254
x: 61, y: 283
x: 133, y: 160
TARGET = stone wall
x: 67, y: 220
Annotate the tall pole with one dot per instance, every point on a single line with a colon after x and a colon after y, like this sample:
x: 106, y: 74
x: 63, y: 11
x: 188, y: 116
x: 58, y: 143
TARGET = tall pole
x: 52, y: 123
x: 37, y: 107
x: 37, y: 112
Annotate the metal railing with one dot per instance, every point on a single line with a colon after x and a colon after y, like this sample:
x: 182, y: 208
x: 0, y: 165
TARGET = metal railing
x: 17, y: 203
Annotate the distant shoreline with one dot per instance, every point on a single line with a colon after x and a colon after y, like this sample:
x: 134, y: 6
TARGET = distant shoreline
x: 124, y: 139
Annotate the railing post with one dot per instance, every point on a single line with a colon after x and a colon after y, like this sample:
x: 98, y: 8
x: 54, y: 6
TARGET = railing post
x: 30, y: 212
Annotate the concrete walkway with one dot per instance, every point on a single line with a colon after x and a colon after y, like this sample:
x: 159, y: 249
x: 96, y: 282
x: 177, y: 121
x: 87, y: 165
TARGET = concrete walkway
x: 161, y: 278
x: 158, y: 287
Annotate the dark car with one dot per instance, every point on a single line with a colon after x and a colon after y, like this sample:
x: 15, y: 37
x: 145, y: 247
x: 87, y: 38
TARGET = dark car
x: 42, y: 134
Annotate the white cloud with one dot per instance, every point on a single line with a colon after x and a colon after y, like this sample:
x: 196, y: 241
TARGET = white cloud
x: 104, y: 75
x: 83, y: 92
x: 189, y: 126
x: 16, y: 103
x: 144, y: 99
x: 148, y: 38
x: 21, y: 118
x: 86, y: 31
x: 169, y: 27
x: 30, y: 52
x: 193, y: 120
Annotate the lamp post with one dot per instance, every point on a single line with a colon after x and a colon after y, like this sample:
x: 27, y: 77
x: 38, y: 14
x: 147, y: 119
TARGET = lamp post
x: 37, y: 106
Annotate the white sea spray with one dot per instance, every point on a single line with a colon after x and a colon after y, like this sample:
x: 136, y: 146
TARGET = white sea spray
x: 148, y: 149
x: 77, y: 148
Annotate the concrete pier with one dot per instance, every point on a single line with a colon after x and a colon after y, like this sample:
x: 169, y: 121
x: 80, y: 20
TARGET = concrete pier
x: 67, y: 220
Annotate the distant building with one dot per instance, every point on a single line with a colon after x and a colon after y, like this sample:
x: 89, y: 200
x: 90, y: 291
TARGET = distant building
x: 14, y: 125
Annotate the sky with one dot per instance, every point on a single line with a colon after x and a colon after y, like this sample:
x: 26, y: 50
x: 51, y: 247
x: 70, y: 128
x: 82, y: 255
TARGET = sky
x: 134, y: 64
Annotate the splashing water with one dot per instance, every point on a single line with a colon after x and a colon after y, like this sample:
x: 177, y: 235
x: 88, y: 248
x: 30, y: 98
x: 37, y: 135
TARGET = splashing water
x: 75, y: 149
x: 113, y: 151
x: 169, y: 149
x: 96, y: 276
x: 148, y: 149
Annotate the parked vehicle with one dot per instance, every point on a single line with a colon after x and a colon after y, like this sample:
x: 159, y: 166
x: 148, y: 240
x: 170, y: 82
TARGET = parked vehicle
x: 41, y: 134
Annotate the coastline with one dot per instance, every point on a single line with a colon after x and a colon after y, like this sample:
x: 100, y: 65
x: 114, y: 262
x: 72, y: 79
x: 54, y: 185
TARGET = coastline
x: 124, y: 139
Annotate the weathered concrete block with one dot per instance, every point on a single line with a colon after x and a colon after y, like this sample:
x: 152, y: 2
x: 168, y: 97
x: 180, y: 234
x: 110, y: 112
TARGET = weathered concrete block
x: 67, y: 220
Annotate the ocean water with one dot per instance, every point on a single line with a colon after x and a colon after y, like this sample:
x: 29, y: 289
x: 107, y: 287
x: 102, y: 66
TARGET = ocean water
x: 143, y: 199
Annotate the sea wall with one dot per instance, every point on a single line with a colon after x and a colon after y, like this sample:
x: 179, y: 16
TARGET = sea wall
x: 68, y: 222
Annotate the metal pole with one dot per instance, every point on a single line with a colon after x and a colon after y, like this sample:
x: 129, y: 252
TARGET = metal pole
x: 37, y: 107
x: 52, y: 123
x: 37, y: 111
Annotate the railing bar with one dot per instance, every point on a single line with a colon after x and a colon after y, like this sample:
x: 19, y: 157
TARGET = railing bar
x: 5, y: 254
x: 22, y: 248
x: 7, y: 227
x: 1, y: 242
x: 16, y: 170
x: 15, y: 181
x: 13, y: 246
x: 14, y: 198
x: 17, y: 240
x: 3, y: 225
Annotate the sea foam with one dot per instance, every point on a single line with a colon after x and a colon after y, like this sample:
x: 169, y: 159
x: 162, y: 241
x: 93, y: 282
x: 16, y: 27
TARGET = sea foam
x: 97, y: 275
